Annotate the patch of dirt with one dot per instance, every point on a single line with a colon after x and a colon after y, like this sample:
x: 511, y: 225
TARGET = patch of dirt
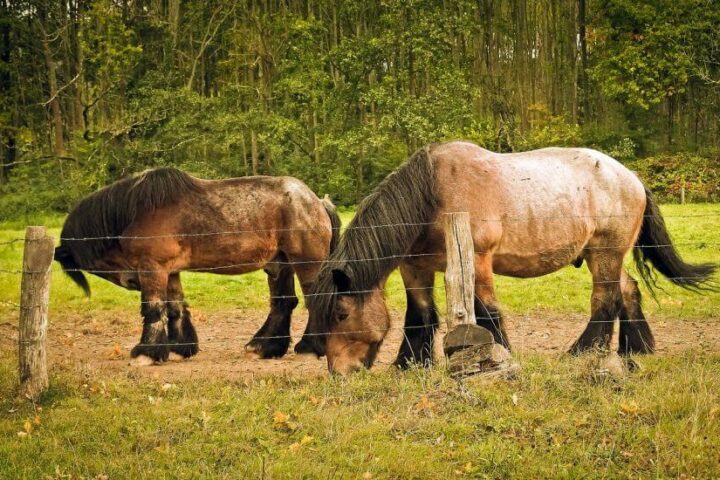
x: 101, y: 344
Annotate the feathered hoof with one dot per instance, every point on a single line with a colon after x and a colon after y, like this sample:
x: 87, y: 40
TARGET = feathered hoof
x: 304, y: 347
x: 158, y: 353
x: 186, y: 350
x: 268, y: 348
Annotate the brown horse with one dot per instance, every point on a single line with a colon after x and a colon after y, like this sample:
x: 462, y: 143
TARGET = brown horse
x: 531, y: 214
x: 141, y: 232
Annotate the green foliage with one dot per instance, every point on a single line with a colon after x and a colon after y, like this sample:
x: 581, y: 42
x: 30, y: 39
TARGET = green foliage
x: 339, y: 93
x: 666, y: 175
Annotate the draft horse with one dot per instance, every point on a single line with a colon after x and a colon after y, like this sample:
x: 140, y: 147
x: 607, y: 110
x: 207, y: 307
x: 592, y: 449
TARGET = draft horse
x: 141, y: 232
x: 531, y: 214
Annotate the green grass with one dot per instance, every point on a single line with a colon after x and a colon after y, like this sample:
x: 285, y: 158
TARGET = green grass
x: 554, y: 421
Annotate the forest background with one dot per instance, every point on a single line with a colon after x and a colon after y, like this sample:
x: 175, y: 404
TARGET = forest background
x: 338, y: 93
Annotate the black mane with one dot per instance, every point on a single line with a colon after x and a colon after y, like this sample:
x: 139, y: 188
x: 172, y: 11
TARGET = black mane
x: 92, y: 228
x: 387, y: 224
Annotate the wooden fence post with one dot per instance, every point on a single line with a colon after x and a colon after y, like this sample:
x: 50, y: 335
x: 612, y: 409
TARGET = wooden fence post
x: 471, y: 349
x: 463, y: 332
x: 34, y: 298
x: 460, y: 270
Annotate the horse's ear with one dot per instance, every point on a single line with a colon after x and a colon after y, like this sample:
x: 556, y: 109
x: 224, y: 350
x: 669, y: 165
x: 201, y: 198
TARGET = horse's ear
x: 341, y: 280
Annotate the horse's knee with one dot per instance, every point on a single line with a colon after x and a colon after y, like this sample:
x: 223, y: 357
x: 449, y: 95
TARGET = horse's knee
x: 285, y: 304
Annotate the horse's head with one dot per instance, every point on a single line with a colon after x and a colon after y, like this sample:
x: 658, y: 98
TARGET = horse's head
x: 346, y: 325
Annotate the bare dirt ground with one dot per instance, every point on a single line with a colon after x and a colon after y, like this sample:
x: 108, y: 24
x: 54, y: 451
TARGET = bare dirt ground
x: 101, y: 345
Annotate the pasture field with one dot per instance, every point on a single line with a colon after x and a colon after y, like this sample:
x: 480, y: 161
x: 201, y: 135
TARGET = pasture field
x: 223, y: 415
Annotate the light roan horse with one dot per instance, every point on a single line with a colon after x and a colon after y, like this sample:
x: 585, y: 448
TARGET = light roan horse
x: 531, y: 214
x: 141, y: 232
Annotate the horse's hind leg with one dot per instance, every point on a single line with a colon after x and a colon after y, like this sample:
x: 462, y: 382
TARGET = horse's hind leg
x: 487, y: 314
x: 154, y: 339
x: 635, y: 333
x: 606, y: 301
x: 421, y: 318
x: 181, y: 332
x: 273, y: 338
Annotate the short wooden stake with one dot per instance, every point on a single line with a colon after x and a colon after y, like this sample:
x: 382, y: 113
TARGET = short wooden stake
x: 34, y: 298
x: 682, y: 192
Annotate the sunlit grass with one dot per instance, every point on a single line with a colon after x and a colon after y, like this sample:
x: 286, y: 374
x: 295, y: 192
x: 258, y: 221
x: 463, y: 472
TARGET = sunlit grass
x: 554, y: 421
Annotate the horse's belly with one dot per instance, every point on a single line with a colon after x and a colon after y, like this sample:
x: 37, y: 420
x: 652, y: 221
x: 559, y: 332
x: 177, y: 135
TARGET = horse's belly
x: 526, y: 264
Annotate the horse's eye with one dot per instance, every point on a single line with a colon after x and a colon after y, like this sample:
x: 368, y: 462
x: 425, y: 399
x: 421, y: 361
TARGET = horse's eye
x: 342, y: 316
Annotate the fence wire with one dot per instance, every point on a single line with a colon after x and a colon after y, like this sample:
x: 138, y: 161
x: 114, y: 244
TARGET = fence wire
x: 399, y: 257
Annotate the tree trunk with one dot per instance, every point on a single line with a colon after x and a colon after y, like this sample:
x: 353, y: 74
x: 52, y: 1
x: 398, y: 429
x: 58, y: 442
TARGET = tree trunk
x: 254, y: 151
x: 7, y: 141
x: 57, y: 123
x: 582, y: 71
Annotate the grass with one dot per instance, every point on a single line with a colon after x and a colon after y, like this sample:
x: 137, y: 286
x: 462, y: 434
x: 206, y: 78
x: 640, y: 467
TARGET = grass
x: 554, y: 421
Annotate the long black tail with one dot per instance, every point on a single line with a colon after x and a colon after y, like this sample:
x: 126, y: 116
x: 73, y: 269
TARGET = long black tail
x: 654, y: 245
x: 64, y: 257
x: 335, y: 221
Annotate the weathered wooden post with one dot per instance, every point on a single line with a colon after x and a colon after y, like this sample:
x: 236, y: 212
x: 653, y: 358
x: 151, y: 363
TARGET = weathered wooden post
x: 34, y: 298
x: 471, y: 349
x: 460, y: 270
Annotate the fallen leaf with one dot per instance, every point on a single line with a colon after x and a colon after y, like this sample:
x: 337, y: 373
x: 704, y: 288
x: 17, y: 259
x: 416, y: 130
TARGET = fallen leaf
x: 116, y: 352
x: 280, y: 418
x: 22, y: 434
x: 314, y: 400
x: 36, y: 420
x: 28, y: 427
x: 424, y: 404
x: 515, y: 398
x: 166, y: 387
x: 629, y: 408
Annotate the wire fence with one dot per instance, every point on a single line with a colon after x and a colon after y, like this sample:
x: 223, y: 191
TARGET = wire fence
x: 579, y: 249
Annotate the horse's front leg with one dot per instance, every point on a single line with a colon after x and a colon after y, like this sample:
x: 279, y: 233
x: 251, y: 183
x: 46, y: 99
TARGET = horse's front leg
x: 421, y: 318
x: 181, y: 332
x: 273, y: 338
x: 154, y: 339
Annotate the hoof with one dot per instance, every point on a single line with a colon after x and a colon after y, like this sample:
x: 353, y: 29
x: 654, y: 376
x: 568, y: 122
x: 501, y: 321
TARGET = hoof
x: 304, y: 347
x: 274, y: 348
x: 175, y: 357
x: 185, y: 350
x: 158, y: 353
